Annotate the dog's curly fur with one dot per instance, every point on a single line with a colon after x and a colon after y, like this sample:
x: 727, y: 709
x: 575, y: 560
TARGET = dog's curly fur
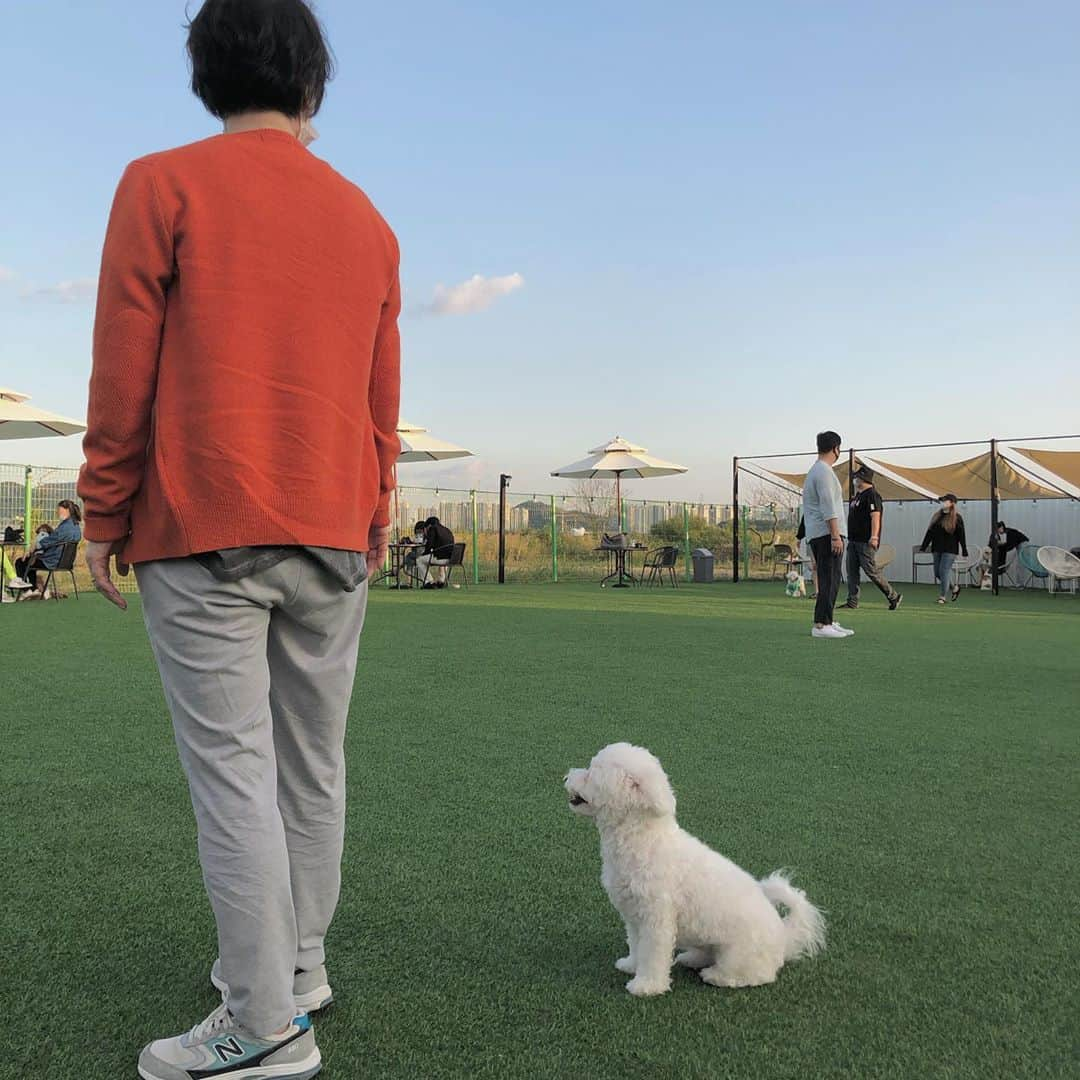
x: 674, y: 892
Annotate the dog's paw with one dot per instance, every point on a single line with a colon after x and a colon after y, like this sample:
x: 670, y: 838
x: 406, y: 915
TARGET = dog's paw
x: 640, y: 987
x: 625, y: 965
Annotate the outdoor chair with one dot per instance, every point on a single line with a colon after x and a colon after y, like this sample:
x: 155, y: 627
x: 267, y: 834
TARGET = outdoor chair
x: 784, y: 556
x: 66, y: 565
x: 1061, y: 565
x: 926, y: 560
x: 1028, y: 558
x: 658, y: 562
x: 971, y: 567
x: 450, y: 556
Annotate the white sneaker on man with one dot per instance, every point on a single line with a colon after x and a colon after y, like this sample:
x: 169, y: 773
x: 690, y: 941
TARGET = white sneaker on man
x: 830, y: 631
x: 843, y: 630
x: 19, y: 583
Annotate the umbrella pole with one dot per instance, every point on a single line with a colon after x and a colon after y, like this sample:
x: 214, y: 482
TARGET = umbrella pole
x: 618, y: 501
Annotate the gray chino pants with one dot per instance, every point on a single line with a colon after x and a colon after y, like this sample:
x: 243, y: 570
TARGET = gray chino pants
x: 257, y: 675
x: 860, y: 556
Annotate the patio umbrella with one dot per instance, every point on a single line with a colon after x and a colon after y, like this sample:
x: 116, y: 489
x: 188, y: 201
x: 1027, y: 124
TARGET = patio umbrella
x: 21, y: 421
x: 615, y: 460
x: 418, y: 445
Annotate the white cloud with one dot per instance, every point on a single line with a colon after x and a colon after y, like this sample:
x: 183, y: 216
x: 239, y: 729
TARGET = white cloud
x: 475, y: 294
x: 64, y: 292
x: 7, y: 274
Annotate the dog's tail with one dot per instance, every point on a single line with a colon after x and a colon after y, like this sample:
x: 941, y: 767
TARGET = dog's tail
x: 805, y: 925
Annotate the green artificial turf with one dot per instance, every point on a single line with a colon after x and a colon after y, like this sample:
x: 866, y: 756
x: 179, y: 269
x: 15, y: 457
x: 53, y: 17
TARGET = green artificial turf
x: 921, y: 779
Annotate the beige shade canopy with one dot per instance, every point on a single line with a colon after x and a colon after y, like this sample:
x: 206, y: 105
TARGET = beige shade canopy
x: 1063, y: 463
x: 890, y: 490
x: 418, y: 445
x: 970, y: 479
x: 21, y: 421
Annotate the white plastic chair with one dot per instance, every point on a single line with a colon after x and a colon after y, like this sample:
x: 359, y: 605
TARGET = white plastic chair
x: 1061, y: 565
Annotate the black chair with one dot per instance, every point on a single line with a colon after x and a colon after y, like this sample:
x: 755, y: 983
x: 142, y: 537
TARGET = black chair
x: 657, y: 562
x: 66, y: 565
x: 450, y: 556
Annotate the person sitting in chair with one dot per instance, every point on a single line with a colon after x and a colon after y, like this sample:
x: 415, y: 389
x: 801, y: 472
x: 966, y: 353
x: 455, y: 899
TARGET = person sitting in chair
x: 431, y: 565
x: 48, y: 548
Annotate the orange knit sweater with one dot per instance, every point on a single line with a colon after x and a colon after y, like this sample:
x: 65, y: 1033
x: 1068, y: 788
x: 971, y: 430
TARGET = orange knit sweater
x: 246, y: 355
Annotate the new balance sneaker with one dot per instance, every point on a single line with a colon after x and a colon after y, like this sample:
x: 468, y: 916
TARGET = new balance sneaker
x: 19, y: 583
x: 843, y: 630
x: 829, y: 631
x: 896, y: 601
x: 311, y: 989
x: 219, y: 1047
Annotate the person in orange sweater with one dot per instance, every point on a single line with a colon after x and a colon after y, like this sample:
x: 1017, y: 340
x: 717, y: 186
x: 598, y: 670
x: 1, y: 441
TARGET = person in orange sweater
x: 240, y: 446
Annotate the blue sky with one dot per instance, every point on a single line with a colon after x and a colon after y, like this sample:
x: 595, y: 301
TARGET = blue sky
x: 736, y: 224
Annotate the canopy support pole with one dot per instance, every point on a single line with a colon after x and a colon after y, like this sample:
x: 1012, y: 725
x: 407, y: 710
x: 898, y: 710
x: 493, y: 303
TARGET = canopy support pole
x: 734, y: 519
x: 504, y: 483
x: 993, y: 517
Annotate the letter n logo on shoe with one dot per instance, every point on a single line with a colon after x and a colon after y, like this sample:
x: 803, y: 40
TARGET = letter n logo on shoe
x: 228, y: 1049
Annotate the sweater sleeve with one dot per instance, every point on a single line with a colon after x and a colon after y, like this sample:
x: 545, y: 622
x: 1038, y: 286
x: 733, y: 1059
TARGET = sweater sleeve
x: 384, y: 394
x: 928, y: 538
x: 136, y: 268
x: 961, y: 538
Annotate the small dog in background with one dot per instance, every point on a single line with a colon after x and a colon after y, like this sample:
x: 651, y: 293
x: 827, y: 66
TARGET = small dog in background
x: 674, y: 892
x: 796, y: 586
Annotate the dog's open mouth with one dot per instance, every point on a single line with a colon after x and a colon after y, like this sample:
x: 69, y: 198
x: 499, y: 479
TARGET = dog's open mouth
x: 577, y: 800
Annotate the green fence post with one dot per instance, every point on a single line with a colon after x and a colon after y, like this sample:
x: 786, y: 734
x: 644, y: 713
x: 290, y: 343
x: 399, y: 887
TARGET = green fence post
x: 475, y: 540
x: 28, y: 507
x: 686, y: 537
x: 746, y: 542
x: 554, y: 542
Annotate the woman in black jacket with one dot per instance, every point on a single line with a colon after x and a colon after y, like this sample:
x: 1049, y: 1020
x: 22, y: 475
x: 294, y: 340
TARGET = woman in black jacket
x: 945, y: 538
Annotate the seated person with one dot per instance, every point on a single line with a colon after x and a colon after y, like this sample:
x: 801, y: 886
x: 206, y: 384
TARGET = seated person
x: 13, y: 533
x: 1007, y: 540
x: 417, y: 540
x: 431, y: 563
x: 48, y: 547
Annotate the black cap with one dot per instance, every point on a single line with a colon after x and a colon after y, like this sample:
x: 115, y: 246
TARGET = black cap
x: 864, y: 472
x: 950, y: 496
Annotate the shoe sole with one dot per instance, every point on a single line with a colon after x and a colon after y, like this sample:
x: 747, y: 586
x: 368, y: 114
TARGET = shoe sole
x: 312, y: 1002
x: 295, y: 1070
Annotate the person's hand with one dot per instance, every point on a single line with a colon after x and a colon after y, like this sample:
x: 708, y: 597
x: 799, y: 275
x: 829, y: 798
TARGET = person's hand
x: 378, y: 541
x: 874, y: 542
x: 97, y: 554
x: 837, y: 545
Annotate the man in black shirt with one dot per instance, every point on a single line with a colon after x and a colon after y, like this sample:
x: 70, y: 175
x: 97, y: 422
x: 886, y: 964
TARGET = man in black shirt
x: 1005, y: 540
x: 431, y: 565
x: 864, y: 538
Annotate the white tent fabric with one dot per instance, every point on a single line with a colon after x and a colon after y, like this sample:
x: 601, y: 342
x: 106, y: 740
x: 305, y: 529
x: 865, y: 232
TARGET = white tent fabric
x: 418, y: 445
x: 21, y: 421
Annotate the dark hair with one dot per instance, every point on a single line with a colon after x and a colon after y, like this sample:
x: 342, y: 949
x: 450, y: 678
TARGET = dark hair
x: 433, y: 520
x: 258, y: 54
x: 419, y: 525
x: 828, y: 440
x: 72, y: 508
x: 1000, y: 525
x: 46, y: 526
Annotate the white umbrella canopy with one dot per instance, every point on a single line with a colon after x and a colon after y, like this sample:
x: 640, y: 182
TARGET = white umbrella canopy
x: 21, y: 421
x: 617, y: 459
x: 418, y: 445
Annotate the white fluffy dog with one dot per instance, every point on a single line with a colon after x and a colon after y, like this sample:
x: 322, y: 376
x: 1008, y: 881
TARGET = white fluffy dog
x: 674, y: 892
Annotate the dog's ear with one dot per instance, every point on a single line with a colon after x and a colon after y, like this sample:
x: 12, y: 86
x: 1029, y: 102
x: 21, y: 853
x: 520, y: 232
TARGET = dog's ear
x: 652, y: 792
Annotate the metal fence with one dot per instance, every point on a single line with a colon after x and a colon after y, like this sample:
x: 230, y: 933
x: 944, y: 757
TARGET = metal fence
x: 549, y: 537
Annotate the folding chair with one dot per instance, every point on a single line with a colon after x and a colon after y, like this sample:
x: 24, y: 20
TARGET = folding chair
x: 657, y: 562
x: 455, y: 561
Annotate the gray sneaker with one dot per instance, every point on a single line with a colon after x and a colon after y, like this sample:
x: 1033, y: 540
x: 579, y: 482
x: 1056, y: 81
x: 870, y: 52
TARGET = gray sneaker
x: 219, y: 1047
x: 311, y: 989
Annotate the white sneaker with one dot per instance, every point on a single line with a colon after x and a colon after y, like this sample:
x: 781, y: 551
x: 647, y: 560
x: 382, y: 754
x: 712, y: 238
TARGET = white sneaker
x: 19, y: 583
x: 827, y: 631
x: 843, y: 630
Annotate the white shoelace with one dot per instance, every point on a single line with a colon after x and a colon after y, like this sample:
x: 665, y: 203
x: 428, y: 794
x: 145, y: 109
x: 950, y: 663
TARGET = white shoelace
x: 218, y: 1020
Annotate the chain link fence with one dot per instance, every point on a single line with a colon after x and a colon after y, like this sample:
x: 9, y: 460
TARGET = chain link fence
x: 548, y: 537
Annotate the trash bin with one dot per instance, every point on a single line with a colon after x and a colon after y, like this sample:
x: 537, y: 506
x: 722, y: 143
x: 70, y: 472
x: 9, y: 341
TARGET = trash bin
x: 703, y: 564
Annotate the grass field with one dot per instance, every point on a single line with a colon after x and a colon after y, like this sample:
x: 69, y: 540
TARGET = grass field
x: 921, y: 779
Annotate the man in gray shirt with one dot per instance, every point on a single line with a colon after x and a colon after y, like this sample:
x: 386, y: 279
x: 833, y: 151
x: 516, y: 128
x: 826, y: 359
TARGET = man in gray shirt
x: 823, y: 511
